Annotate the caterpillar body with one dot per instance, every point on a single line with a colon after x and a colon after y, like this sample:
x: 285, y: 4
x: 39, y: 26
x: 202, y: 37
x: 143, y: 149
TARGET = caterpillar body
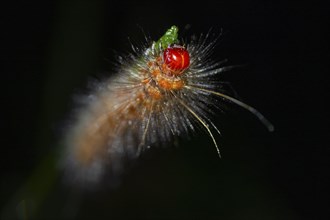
x: 165, y: 90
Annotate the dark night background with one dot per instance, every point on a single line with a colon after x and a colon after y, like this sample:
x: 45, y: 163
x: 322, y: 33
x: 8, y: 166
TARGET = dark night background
x: 48, y: 51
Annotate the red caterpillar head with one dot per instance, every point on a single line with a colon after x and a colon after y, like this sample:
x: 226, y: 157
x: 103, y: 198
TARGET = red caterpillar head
x: 176, y: 58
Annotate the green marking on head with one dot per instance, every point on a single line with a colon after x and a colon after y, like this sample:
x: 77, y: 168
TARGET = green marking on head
x: 170, y: 37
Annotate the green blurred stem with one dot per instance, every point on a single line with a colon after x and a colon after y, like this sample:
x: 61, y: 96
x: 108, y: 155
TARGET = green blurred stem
x: 44, y: 177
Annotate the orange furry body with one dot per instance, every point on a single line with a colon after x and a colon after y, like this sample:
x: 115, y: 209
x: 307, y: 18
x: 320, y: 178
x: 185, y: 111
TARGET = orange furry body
x: 115, y: 111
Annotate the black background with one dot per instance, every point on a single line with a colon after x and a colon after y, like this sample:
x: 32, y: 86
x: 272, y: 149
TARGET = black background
x: 49, y: 51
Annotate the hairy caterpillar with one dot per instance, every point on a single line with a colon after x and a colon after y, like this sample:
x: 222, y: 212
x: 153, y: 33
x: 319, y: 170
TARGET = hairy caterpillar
x: 162, y: 91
